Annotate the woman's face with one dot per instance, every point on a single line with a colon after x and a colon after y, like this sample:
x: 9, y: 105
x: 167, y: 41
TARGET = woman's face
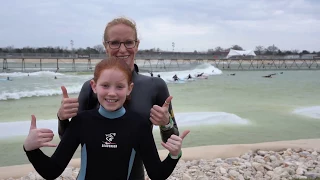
x: 122, y: 33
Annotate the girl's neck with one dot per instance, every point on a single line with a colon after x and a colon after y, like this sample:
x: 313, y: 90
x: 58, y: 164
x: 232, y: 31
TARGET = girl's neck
x: 112, y: 114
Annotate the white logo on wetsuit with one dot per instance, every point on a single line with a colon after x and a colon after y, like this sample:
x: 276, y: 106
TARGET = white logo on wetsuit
x: 108, y: 143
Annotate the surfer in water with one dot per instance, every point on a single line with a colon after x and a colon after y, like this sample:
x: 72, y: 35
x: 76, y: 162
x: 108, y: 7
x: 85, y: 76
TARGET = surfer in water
x: 189, y: 77
x: 269, y: 76
x: 199, y: 75
x: 8, y: 79
x: 158, y: 75
x: 175, y: 77
x: 151, y: 74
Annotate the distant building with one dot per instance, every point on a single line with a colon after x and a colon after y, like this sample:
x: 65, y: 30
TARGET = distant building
x: 292, y: 56
x: 308, y: 56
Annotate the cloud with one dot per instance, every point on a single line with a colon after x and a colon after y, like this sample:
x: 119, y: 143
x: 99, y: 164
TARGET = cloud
x: 191, y: 24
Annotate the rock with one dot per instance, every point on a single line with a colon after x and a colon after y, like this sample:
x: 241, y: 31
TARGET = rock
x: 234, y: 174
x: 258, y: 166
x: 304, y: 154
x: 245, y: 157
x: 296, y: 163
x: 273, y: 158
x: 222, y: 170
x: 278, y: 170
x: 267, y: 167
x: 259, y: 175
x: 300, y: 171
x: 300, y: 177
x: 262, y: 153
x: 312, y: 175
x: 186, y: 177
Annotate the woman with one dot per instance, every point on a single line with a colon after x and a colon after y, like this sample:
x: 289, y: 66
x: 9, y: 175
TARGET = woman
x: 149, y: 96
x: 108, y: 135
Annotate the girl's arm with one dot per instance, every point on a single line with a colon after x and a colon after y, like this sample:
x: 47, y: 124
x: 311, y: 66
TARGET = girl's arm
x: 148, y: 152
x: 52, y: 167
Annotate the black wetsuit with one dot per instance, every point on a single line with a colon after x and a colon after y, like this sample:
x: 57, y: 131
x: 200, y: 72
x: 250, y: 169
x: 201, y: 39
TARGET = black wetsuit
x: 109, y: 141
x: 147, y: 91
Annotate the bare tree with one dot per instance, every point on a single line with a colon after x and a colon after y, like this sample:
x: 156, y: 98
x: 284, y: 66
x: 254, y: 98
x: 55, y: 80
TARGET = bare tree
x: 295, y: 51
x: 99, y: 48
x: 218, y: 49
x: 259, y: 49
x: 272, y: 48
x: 236, y: 47
x: 10, y: 48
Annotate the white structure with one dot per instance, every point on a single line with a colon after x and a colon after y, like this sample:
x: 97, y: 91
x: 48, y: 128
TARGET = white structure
x: 240, y: 53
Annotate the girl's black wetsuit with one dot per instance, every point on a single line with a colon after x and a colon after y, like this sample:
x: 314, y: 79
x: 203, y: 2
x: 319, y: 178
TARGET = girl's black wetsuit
x: 109, y: 142
x: 147, y: 91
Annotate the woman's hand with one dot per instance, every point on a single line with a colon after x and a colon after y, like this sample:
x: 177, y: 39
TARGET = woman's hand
x: 68, y: 107
x: 160, y: 115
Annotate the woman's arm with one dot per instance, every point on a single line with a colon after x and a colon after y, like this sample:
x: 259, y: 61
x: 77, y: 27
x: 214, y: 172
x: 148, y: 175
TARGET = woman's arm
x: 86, y: 99
x: 162, y: 95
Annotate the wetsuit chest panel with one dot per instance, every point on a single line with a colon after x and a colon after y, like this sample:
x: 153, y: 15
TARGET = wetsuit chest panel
x: 143, y: 96
x: 108, y: 142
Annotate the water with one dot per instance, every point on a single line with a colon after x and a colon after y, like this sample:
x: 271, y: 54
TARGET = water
x: 223, y: 109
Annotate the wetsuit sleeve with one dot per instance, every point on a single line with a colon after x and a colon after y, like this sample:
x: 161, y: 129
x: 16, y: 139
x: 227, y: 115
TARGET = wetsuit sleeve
x: 52, y: 167
x: 147, y: 150
x: 163, y: 94
x: 83, y: 99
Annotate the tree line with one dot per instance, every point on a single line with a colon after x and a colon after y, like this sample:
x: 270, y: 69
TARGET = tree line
x: 261, y: 50
x: 99, y: 49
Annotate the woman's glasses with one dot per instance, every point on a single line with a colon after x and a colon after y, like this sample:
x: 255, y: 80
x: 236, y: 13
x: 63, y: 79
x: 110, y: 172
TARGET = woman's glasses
x: 116, y: 44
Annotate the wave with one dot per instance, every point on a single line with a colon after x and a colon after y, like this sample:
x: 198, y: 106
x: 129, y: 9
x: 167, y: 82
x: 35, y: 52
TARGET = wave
x: 38, y: 93
x: 208, y: 118
x: 39, y: 73
x: 38, y: 86
x: 206, y: 68
x: 313, y: 111
x: 21, y: 128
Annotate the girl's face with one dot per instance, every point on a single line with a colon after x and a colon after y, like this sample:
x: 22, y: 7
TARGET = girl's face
x: 112, y: 88
x: 122, y: 33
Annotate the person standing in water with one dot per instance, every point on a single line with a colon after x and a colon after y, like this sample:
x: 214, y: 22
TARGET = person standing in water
x: 103, y: 136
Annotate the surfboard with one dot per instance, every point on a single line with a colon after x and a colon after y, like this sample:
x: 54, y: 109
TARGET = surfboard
x: 179, y: 81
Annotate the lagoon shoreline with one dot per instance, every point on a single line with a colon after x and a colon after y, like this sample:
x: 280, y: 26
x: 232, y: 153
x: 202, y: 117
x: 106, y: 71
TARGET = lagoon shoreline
x: 190, y: 154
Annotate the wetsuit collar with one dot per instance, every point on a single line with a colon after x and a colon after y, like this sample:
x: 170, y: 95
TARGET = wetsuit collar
x: 134, y: 74
x: 112, y: 114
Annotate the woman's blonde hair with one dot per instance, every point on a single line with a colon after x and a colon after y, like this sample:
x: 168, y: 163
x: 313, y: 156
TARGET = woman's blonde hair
x: 120, y: 20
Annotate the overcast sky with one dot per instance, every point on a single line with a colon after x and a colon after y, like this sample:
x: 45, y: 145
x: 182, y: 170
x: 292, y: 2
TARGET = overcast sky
x: 191, y: 24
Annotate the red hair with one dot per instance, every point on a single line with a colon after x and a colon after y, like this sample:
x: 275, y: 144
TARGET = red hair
x: 110, y: 63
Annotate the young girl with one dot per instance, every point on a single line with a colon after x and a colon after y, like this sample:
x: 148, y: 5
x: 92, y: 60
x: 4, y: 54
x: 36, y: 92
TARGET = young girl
x: 110, y: 136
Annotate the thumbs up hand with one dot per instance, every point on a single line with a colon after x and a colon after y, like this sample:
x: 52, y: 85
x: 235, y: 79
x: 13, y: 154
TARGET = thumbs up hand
x: 68, y: 107
x: 38, y: 138
x: 160, y: 115
x: 174, y: 143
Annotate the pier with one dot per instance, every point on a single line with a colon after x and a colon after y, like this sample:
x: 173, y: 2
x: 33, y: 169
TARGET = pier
x: 87, y: 63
